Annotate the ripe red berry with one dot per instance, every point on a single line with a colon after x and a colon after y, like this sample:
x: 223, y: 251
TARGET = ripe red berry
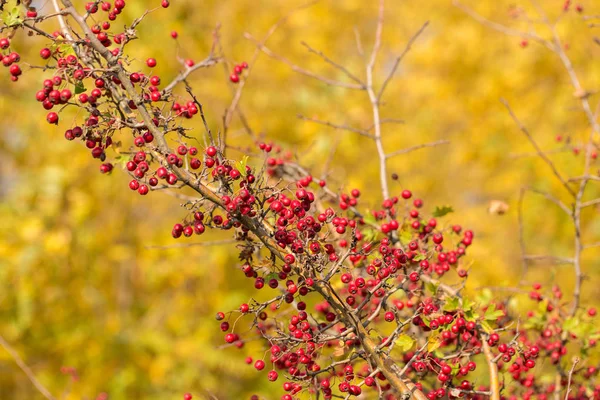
x: 259, y: 365
x: 15, y: 70
x: 151, y: 62
x: 234, y: 78
x: 52, y: 118
x: 187, y: 396
x: 174, y: 34
x: 45, y: 53
x: 592, y: 312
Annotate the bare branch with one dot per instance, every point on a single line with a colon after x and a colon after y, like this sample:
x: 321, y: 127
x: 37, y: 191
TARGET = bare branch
x: 398, y: 59
x: 336, y: 126
x: 199, y: 244
x: 334, y: 64
x: 417, y: 147
x: 501, y: 28
x: 553, y: 259
x: 299, y: 69
x: 568, y: 391
x: 537, y: 148
x: 15, y: 356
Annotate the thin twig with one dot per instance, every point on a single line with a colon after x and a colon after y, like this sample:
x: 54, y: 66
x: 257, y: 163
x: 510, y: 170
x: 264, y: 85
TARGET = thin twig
x: 542, y: 155
x: 417, y: 147
x: 199, y: 244
x: 398, y: 59
x: 300, y: 70
x: 15, y: 356
x: 575, y: 362
x: 334, y: 64
x: 336, y: 126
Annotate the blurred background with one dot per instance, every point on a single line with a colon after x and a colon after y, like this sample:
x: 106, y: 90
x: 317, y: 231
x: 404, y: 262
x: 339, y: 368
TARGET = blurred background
x: 83, y: 284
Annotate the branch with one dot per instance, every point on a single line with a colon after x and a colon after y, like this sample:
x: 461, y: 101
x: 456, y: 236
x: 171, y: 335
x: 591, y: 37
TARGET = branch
x: 207, y: 62
x: 336, y: 126
x: 537, y: 148
x: 334, y: 64
x: 15, y: 356
x: 501, y: 28
x: 417, y: 147
x: 575, y: 362
x: 296, y: 68
x: 399, y: 59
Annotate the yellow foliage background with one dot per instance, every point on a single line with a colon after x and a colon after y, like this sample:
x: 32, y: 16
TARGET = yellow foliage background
x: 80, y: 285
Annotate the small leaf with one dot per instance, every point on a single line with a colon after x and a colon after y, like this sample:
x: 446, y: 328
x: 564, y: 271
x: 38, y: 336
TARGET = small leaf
x: 121, y: 159
x: 79, y: 88
x: 431, y: 287
x: 441, y: 211
x: 66, y: 49
x: 242, y: 165
x: 369, y: 218
x: 492, y: 314
x: 405, y: 236
x: 405, y: 342
x: 12, y: 18
x: 435, y: 341
x: 570, y: 324
x: 420, y: 257
x: 467, y: 305
x: 369, y: 235
x: 451, y: 304
x: 272, y: 275
x: 486, y: 326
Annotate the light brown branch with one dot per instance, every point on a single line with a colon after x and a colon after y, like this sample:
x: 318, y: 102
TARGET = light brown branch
x: 542, y: 155
x: 336, y: 126
x: 19, y: 361
x: 300, y: 70
x: 417, y: 147
x: 398, y: 59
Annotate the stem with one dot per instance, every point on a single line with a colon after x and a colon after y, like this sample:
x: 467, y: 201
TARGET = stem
x: 26, y: 369
x: 373, y: 98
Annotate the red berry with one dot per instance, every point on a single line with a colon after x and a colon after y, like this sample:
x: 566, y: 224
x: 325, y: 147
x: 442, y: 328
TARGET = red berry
x: 259, y: 365
x: 234, y: 78
x: 151, y: 62
x: 52, y: 118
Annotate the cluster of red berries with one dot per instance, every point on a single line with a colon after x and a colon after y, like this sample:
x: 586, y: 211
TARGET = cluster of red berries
x: 237, y: 71
x: 10, y: 59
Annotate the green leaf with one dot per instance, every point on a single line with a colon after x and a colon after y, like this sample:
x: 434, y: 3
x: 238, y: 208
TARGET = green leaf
x: 492, y: 314
x: 66, y: 49
x: 419, y: 257
x: 405, y: 342
x: 272, y: 275
x: 441, y: 211
x: 79, y: 88
x: 570, y: 324
x: 242, y: 165
x: 435, y: 341
x: 431, y: 287
x: 369, y: 235
x: 121, y: 160
x: 486, y: 326
x: 369, y: 218
x: 405, y: 236
x: 452, y: 304
x: 12, y: 18
x: 467, y: 305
